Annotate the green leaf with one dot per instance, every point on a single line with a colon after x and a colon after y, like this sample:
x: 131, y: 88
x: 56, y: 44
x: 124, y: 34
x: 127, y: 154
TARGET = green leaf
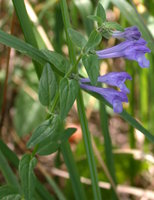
x: 12, y: 197
x: 47, y: 85
x: 91, y: 64
x: 8, y: 192
x: 95, y: 18
x: 26, y: 166
x: 59, y: 61
x: 27, y: 28
x: 93, y: 41
x: 47, y: 147
x: 114, y: 25
x: 7, y: 171
x: 77, y: 38
x: 46, y: 129
x: 68, y: 93
x: 51, y: 145
x: 66, y: 134
x: 40, y: 56
x: 101, y: 13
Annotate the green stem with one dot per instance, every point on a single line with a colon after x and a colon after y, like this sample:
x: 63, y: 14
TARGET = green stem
x: 107, y: 144
x: 67, y: 25
x: 88, y: 146
x: 66, y: 151
x: 74, y: 176
x: 81, y: 110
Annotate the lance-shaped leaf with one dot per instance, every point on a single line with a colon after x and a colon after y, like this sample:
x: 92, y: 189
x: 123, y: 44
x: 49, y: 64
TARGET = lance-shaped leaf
x: 94, y: 40
x: 101, y: 13
x: 47, y: 129
x: 27, y: 176
x: 68, y: 93
x: 51, y: 145
x: 47, y: 85
x: 59, y: 61
x: 95, y: 18
x: 91, y: 64
x: 114, y: 25
x: 40, y: 56
x: 77, y: 38
x: 8, y: 192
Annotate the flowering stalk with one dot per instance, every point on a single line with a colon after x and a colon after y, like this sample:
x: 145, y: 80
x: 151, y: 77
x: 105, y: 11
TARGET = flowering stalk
x: 81, y: 111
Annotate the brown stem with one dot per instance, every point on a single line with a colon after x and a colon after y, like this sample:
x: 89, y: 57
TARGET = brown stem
x: 4, y: 101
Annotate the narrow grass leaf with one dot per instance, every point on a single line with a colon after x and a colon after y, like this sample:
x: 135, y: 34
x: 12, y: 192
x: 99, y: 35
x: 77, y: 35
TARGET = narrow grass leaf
x: 60, y: 62
x: 30, y: 51
x: 73, y: 171
x: 27, y: 28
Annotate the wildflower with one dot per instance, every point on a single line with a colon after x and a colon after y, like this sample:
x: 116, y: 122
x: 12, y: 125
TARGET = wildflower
x: 129, y: 49
x: 114, y: 79
x: 130, y: 33
x: 113, y: 96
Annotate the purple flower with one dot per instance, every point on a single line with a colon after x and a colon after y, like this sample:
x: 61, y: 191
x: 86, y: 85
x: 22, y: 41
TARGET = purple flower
x: 114, y: 79
x: 113, y: 96
x: 129, y: 49
x: 130, y: 33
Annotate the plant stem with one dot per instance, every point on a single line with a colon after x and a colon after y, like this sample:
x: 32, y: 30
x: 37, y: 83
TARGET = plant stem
x: 75, y: 179
x: 88, y: 146
x: 81, y: 110
x: 108, y: 145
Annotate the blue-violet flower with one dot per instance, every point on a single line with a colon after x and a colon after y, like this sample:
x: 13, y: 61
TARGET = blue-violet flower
x: 113, y: 96
x: 129, y: 49
x: 130, y: 33
x: 114, y: 79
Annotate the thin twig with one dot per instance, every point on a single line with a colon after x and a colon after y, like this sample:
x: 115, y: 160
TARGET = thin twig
x: 4, y: 102
x: 138, y: 192
x: 104, y: 167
